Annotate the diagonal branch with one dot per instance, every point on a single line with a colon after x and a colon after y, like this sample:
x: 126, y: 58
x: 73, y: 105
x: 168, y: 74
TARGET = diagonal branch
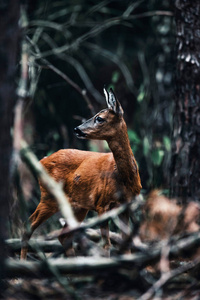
x: 168, y: 276
x: 82, y: 92
x: 66, y: 78
x: 100, y: 28
x: 51, y: 185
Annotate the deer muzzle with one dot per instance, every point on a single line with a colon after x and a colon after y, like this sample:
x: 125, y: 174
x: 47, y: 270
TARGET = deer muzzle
x: 79, y: 133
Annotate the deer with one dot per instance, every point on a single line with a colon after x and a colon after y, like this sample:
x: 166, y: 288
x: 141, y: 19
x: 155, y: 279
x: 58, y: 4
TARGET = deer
x: 92, y: 180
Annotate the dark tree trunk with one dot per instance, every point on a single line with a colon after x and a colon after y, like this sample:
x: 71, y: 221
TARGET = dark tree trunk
x: 185, y: 172
x: 9, y: 33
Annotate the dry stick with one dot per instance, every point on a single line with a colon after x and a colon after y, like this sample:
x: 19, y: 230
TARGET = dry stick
x: 83, y: 92
x: 116, y: 60
x: 168, y: 276
x: 77, y: 65
x: 164, y: 260
x: 22, y: 91
x: 62, y: 280
x: 51, y: 185
x: 91, y: 264
x: 98, y: 29
x: 18, y: 133
x: 53, y: 245
x: 106, y: 216
x: 46, y: 246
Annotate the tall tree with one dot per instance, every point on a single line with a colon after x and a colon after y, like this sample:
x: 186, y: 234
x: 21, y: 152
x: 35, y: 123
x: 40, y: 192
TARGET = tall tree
x: 186, y: 151
x: 9, y: 33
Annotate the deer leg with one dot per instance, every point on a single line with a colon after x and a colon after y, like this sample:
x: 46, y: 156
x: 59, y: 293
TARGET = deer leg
x: 124, y: 217
x: 43, y: 211
x: 66, y: 238
x: 106, y: 239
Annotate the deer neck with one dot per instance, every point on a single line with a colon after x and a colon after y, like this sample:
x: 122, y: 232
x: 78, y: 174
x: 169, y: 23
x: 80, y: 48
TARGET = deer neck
x: 125, y: 160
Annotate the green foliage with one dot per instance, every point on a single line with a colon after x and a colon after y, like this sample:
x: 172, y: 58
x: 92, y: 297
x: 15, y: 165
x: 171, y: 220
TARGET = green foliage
x: 157, y: 157
x: 115, y: 76
x: 134, y: 140
x: 167, y: 143
x: 146, y: 147
x: 141, y: 94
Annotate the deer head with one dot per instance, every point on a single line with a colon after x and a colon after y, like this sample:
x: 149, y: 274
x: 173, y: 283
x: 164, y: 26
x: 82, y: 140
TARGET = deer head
x: 105, y: 124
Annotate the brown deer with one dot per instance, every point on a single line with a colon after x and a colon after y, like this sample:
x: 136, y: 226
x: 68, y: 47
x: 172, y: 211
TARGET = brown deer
x: 91, y: 180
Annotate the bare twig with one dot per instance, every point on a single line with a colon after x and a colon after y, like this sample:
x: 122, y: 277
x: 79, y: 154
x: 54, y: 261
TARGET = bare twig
x: 50, y: 66
x: 100, y: 28
x: 78, y: 66
x: 105, y: 217
x: 91, y: 264
x: 51, y: 244
x: 83, y: 92
x: 51, y: 185
x: 116, y: 60
x: 164, y: 259
x: 168, y: 276
x: 62, y: 280
x: 22, y: 90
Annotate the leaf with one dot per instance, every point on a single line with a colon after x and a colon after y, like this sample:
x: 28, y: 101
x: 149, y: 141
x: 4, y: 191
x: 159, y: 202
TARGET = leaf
x: 157, y: 156
x: 133, y: 137
x: 115, y: 77
x: 167, y: 143
x: 146, y: 146
x: 141, y: 94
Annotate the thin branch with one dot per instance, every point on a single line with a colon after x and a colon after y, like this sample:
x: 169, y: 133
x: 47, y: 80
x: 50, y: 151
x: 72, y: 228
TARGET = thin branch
x: 79, y: 68
x: 61, y: 279
x: 50, y: 244
x: 131, y: 7
x: 116, y: 60
x: 100, y: 28
x: 91, y: 264
x: 106, y: 216
x: 168, y: 276
x: 51, y: 185
x: 83, y: 92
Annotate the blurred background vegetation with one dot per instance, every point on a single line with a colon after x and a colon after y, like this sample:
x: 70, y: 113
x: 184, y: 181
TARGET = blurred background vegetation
x: 128, y: 45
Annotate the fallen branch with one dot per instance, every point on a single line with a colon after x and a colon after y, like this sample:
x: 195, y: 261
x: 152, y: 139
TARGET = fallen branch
x: 90, y: 265
x: 167, y: 276
x: 99, y: 220
x: 34, y: 244
x: 52, y: 245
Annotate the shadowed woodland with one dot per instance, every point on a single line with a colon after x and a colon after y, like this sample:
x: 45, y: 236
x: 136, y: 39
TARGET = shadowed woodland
x: 56, y: 57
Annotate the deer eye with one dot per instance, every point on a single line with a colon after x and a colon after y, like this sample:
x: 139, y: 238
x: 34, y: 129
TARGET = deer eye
x: 99, y: 119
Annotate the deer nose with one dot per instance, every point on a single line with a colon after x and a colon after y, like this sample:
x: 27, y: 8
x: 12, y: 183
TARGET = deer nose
x: 78, y: 132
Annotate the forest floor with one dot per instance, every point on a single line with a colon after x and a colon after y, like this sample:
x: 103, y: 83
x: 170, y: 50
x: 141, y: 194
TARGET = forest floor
x: 110, y: 286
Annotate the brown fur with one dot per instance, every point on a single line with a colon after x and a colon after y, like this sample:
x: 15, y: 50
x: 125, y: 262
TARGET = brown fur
x: 164, y: 217
x: 92, y: 181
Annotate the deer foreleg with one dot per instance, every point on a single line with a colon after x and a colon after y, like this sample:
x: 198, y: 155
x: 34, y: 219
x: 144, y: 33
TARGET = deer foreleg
x: 44, y: 211
x: 124, y: 217
x: 66, y: 238
x: 106, y: 239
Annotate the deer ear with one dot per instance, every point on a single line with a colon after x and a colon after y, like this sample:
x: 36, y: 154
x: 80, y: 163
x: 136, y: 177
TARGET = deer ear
x: 107, y: 97
x: 115, y: 105
x: 112, y: 102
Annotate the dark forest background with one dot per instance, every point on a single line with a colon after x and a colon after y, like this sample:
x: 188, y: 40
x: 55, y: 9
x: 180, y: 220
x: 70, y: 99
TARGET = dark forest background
x: 55, y: 58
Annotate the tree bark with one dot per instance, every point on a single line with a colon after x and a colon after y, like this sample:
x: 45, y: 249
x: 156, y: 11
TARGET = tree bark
x: 9, y: 33
x: 185, y: 171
